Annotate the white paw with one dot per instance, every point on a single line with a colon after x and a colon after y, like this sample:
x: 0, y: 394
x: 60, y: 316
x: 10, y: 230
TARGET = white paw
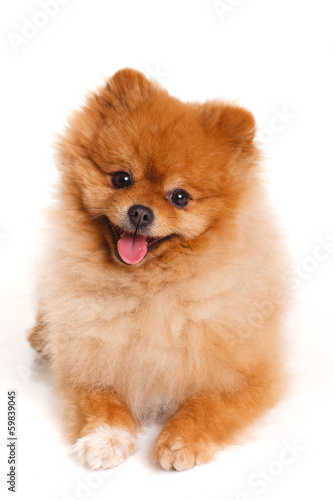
x: 105, y: 447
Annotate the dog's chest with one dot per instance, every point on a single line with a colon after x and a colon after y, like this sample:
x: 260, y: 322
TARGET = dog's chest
x: 151, y: 346
x: 143, y: 349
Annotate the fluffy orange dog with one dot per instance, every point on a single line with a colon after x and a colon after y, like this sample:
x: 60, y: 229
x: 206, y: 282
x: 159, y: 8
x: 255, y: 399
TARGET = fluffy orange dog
x: 161, y: 292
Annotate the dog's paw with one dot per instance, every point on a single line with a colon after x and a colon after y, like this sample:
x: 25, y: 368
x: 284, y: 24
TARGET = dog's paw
x: 173, y: 452
x: 105, y: 447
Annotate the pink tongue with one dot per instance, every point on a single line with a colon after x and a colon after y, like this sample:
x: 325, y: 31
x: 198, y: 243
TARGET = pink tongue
x: 132, y: 251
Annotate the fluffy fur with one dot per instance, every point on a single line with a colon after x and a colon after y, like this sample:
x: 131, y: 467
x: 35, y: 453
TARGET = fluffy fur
x: 190, y: 335
x: 104, y: 447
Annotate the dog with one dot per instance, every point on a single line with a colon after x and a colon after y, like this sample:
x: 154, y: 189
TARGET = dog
x: 160, y: 293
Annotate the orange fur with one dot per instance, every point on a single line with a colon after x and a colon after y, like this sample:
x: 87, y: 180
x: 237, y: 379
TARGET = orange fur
x: 173, y: 337
x: 93, y: 407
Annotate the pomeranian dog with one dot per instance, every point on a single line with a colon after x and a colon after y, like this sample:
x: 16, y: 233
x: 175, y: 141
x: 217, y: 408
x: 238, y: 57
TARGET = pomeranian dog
x: 161, y: 294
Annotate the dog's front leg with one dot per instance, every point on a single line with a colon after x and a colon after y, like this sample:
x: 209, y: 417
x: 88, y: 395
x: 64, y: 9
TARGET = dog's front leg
x: 210, y: 420
x: 100, y: 424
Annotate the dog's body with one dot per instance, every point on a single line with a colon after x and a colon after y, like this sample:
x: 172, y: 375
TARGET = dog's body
x: 188, y: 332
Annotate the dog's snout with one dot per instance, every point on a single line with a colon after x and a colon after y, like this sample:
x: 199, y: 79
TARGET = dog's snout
x: 140, y: 216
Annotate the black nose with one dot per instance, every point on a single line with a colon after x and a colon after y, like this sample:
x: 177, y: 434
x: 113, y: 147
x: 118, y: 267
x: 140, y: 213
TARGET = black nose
x: 140, y: 216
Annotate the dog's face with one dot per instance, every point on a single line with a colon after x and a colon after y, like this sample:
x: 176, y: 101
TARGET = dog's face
x: 160, y: 173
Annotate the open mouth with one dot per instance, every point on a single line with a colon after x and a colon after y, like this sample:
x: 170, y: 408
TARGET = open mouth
x: 131, y: 247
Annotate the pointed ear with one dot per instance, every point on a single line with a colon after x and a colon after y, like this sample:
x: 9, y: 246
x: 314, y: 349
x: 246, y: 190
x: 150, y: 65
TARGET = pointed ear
x: 234, y: 125
x: 125, y: 89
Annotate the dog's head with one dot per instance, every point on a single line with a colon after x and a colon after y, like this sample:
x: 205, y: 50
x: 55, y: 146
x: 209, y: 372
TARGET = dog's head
x: 159, y: 172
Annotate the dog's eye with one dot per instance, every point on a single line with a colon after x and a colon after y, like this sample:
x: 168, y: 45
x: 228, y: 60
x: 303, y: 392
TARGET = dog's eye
x: 179, y: 198
x: 121, y: 180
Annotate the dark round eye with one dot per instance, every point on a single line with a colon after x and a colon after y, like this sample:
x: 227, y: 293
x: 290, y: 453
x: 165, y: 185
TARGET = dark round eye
x: 121, y: 180
x: 179, y: 198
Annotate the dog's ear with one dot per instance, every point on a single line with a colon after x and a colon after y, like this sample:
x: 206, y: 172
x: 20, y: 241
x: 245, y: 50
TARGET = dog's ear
x: 234, y: 125
x: 125, y: 89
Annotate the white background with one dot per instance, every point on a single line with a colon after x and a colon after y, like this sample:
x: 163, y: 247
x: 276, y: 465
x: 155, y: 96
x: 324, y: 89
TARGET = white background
x: 273, y: 57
